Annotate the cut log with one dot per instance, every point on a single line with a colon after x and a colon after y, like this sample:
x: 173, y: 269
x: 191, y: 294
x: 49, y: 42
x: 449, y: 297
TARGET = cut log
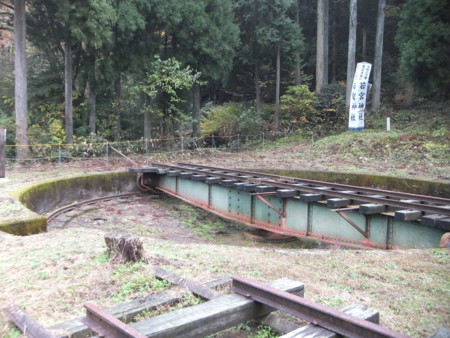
x: 123, y: 247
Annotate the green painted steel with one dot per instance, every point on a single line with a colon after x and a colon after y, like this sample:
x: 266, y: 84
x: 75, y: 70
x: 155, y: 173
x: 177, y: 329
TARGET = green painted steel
x: 310, y: 220
x: 265, y: 213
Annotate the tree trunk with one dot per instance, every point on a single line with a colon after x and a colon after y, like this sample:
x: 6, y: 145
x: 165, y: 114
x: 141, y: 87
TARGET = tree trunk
x: 257, y: 88
x: 298, y: 66
x: 20, y: 89
x: 364, y: 42
x: 334, y: 44
x: 378, y: 56
x: 91, y: 90
x: 92, y: 108
x: 117, y: 104
x: 196, y: 111
x: 147, y: 121
x: 322, y: 45
x: 351, y: 49
x: 68, y: 91
x: 277, y: 88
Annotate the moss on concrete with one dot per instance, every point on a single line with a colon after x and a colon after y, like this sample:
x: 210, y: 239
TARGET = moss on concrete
x: 45, y: 196
x: 29, y: 226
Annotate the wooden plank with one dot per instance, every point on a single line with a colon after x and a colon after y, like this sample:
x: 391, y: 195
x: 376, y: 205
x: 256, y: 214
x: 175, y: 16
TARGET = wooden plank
x: 250, y: 187
x: 371, y: 208
x: 338, y: 202
x: 407, y: 215
x: 198, y: 177
x: 432, y: 220
x: 75, y: 328
x: 186, y: 174
x: 173, y: 173
x: 228, y: 183
x: 444, y: 224
x: 25, y: 323
x: 265, y: 188
x: 213, y: 180
x: 314, y: 331
x: 284, y: 193
x: 213, y: 316
x: 311, y: 197
x: 193, y: 286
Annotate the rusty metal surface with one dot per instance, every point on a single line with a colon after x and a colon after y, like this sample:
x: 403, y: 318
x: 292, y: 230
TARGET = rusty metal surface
x: 317, y: 314
x: 106, y: 325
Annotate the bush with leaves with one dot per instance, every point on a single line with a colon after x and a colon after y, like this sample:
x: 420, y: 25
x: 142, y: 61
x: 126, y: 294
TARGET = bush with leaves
x: 231, y: 119
x: 297, y: 107
x: 331, y: 107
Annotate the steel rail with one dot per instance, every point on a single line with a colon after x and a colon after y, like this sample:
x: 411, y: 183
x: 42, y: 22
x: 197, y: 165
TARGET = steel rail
x: 106, y: 325
x: 68, y: 208
x: 426, y: 208
x: 317, y: 314
x: 402, y: 195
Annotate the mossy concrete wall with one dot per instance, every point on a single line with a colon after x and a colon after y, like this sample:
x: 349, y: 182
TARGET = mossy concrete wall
x: 49, y: 195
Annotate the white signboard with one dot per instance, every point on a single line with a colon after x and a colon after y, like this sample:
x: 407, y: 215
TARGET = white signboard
x: 358, y: 96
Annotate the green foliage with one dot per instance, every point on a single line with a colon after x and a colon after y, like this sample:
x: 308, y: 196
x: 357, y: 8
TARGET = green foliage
x: 297, y: 107
x: 423, y: 39
x: 331, y: 107
x: 135, y: 279
x: 265, y: 331
x: 164, y: 81
x: 231, y: 119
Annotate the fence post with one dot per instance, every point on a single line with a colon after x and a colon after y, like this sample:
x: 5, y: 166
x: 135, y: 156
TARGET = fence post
x: 146, y: 146
x: 59, y: 153
x: 263, y: 139
x: 182, y: 144
x: 213, y: 142
x: 238, y: 141
x: 2, y: 151
x: 107, y: 153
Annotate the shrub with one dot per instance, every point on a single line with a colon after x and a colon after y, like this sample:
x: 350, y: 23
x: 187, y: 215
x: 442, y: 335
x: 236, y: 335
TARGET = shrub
x: 231, y: 119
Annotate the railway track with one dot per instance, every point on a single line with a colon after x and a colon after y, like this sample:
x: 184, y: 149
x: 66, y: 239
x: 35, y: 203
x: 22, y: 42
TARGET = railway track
x: 429, y: 210
x: 53, y: 215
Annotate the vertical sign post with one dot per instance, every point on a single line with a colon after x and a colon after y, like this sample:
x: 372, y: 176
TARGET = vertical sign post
x: 359, y: 96
x: 2, y: 151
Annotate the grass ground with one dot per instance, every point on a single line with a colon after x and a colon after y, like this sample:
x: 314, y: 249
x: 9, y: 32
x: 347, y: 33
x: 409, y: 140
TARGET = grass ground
x: 51, y: 275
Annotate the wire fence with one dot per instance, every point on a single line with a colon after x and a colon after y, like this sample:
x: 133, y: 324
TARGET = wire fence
x: 90, y: 150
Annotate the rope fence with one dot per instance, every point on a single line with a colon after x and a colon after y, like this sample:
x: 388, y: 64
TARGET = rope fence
x: 59, y: 152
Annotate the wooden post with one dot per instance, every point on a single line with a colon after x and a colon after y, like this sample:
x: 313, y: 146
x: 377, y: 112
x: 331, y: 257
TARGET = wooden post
x: 2, y: 151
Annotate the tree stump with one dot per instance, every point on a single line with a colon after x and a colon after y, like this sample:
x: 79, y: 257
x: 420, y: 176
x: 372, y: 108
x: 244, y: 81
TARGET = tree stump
x: 123, y: 247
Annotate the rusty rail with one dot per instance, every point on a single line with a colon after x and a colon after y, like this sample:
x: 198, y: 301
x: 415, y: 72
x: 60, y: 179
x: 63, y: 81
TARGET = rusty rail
x: 106, y: 325
x: 317, y: 314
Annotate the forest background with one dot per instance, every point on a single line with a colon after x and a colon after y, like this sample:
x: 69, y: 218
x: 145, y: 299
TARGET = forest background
x: 111, y: 70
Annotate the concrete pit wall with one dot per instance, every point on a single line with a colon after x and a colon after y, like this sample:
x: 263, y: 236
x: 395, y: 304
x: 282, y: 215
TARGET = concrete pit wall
x: 49, y: 195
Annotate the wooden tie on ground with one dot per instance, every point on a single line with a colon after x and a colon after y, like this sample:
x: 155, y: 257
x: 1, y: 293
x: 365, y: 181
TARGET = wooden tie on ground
x: 220, y: 312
